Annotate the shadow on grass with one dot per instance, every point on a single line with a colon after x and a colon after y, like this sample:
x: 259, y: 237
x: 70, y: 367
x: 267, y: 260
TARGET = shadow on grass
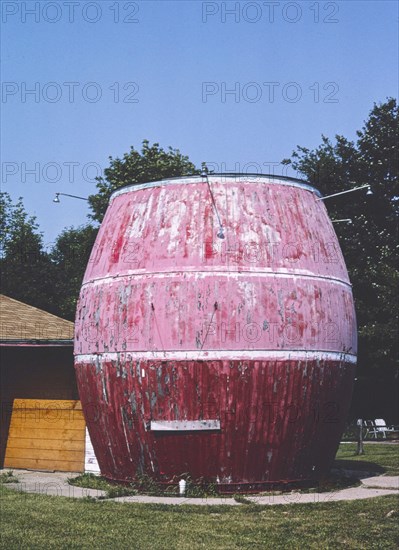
x: 357, y: 468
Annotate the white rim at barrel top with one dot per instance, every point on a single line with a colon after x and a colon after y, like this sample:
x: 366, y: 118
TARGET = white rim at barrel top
x: 220, y: 355
x: 218, y: 178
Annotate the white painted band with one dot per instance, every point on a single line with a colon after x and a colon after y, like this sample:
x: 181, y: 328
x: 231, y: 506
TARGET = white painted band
x: 222, y: 178
x: 253, y: 272
x: 222, y: 355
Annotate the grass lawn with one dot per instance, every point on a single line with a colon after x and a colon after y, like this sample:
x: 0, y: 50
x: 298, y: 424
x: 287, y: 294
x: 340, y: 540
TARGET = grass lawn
x: 385, y: 456
x: 38, y: 521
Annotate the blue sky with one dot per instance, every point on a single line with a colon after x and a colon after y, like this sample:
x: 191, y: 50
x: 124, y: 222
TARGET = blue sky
x: 235, y: 84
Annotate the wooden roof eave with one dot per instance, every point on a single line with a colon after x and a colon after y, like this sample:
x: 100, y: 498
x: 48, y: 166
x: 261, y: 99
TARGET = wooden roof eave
x: 36, y: 343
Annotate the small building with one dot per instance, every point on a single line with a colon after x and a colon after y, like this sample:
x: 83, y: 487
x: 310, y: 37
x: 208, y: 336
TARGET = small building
x: 42, y: 424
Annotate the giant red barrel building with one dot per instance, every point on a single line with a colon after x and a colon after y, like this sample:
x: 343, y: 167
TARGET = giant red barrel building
x: 225, y: 354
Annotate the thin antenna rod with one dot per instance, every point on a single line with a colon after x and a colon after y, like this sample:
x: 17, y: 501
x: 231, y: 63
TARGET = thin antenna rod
x: 156, y: 324
x: 215, y: 307
x: 221, y: 232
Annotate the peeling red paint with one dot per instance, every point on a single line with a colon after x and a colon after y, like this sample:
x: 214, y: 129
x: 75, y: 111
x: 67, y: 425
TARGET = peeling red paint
x: 256, y: 330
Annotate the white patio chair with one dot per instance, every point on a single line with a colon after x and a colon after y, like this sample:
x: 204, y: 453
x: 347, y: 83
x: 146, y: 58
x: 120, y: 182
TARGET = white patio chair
x: 370, y: 428
x: 382, y: 428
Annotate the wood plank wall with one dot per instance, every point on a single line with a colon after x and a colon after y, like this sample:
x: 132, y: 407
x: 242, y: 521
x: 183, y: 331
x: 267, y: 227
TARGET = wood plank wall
x: 46, y: 435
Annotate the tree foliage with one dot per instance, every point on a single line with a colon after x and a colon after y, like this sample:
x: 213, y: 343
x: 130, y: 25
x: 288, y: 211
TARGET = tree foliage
x: 70, y: 255
x: 151, y: 164
x: 51, y: 279
x: 369, y: 243
x: 47, y: 279
x: 27, y: 273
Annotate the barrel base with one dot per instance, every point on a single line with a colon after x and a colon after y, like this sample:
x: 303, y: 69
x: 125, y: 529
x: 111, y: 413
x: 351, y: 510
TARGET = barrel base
x: 280, y: 421
x: 207, y: 488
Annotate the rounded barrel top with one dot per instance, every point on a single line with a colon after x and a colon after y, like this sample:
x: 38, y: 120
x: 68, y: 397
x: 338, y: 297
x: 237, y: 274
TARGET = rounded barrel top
x: 268, y: 223
x: 186, y: 180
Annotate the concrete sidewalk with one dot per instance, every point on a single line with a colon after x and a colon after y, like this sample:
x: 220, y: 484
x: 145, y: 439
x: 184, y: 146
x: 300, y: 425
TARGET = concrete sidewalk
x: 56, y: 484
x: 50, y: 483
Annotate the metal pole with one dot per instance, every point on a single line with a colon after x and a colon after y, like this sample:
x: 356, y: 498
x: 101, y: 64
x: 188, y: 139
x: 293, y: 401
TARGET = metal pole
x: 73, y: 196
x: 347, y: 191
x: 360, y: 448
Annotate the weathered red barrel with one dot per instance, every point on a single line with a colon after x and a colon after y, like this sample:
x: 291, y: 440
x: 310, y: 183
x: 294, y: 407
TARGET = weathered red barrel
x: 228, y: 354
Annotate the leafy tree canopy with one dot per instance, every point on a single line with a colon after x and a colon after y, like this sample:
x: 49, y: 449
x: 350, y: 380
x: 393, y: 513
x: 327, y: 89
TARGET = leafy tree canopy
x: 369, y: 243
x: 27, y: 273
x: 151, y: 164
x: 51, y: 280
x: 16, y: 226
x: 70, y: 255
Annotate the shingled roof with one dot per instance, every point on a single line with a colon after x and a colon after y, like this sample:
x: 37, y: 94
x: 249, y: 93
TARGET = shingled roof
x: 21, y: 324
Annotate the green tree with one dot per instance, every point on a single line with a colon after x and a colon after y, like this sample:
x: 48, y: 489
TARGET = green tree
x: 151, y: 164
x: 369, y: 244
x: 70, y: 255
x: 73, y: 246
x: 27, y: 273
x: 51, y: 280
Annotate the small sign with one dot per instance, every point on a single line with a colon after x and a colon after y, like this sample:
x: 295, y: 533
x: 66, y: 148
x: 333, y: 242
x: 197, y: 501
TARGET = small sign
x: 91, y: 463
x: 184, y: 425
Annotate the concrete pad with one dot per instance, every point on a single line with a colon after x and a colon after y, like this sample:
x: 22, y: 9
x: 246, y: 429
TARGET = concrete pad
x: 382, y: 482
x: 353, y: 493
x: 56, y: 484
x: 50, y: 483
x: 177, y: 501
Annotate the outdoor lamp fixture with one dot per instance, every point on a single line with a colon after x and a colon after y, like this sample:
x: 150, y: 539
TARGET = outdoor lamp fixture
x: 57, y: 197
x: 344, y: 220
x: 369, y: 192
